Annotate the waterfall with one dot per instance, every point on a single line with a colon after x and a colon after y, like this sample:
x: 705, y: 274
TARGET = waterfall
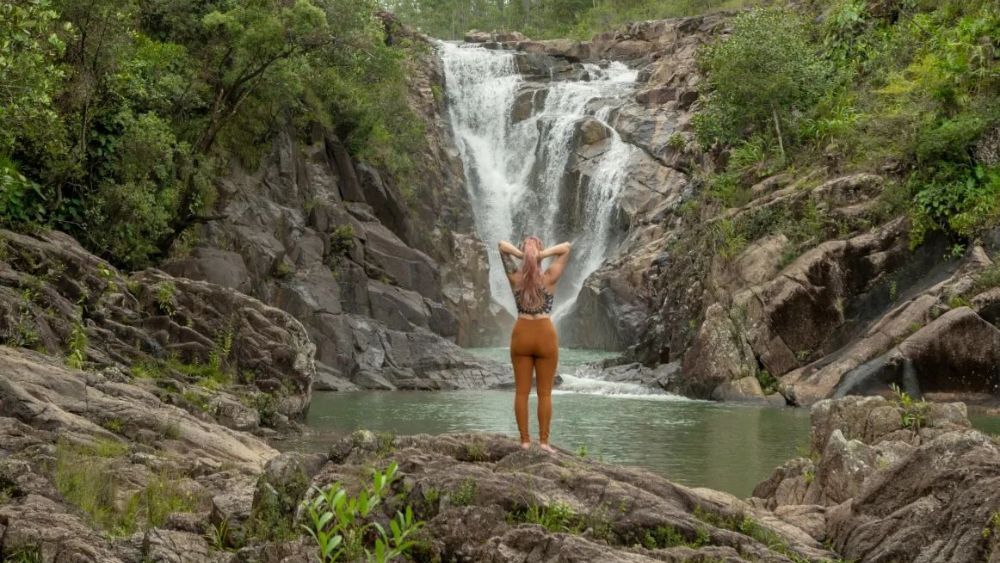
x: 517, y: 173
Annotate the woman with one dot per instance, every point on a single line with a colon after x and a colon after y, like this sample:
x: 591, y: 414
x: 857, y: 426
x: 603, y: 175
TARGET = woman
x: 534, y: 345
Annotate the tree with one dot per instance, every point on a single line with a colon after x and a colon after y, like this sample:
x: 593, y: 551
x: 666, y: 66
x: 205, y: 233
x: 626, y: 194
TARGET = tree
x: 759, y: 75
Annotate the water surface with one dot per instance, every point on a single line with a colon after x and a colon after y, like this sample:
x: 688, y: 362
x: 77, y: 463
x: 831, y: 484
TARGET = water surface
x: 697, y: 443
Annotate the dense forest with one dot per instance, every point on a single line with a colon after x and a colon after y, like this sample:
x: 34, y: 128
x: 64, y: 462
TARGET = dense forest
x: 449, y: 19
x: 116, y: 117
x: 91, y: 94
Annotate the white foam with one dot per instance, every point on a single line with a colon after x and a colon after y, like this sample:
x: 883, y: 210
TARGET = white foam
x: 616, y: 389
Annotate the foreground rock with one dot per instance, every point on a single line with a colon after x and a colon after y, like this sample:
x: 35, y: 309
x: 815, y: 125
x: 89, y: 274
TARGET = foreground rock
x: 83, y: 458
x: 882, y: 475
x: 476, y: 492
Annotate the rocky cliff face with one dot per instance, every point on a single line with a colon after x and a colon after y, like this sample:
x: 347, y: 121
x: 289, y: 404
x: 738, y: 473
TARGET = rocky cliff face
x: 386, y: 282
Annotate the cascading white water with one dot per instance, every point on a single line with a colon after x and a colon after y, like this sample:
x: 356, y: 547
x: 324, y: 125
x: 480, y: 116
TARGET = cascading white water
x: 516, y: 172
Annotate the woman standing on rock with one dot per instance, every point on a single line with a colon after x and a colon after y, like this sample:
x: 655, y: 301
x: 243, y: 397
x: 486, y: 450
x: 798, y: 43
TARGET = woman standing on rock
x: 534, y: 345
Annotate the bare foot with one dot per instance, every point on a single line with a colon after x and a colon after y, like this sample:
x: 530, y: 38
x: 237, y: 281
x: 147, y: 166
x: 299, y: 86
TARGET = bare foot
x: 525, y: 445
x: 547, y: 448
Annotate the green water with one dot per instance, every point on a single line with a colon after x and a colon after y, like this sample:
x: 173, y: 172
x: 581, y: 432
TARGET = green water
x: 697, y: 443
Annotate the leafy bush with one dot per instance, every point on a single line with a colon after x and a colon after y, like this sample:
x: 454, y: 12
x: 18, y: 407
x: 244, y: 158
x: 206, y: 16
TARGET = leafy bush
x: 756, y: 78
x: 340, y: 526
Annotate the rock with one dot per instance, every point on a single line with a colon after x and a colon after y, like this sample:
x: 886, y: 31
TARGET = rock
x: 474, y: 36
x: 170, y: 546
x: 574, y: 51
x: 529, y: 101
x: 220, y: 267
x: 42, y: 393
x: 719, y: 354
x: 959, y: 351
x: 810, y: 518
x: 745, y: 389
x: 942, y: 493
x: 592, y: 131
x: 473, y: 490
x: 39, y: 525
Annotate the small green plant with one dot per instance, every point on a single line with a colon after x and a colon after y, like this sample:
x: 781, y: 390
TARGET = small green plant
x: 809, y: 475
x: 171, y: 430
x: 582, y: 451
x: 218, y: 536
x: 992, y: 528
x: 914, y: 412
x: 25, y: 554
x: 475, y: 452
x: 283, y: 269
x: 666, y: 536
x: 114, y: 425
x: 338, y: 523
x: 957, y: 301
x: 464, y: 494
x: 77, y: 355
x: 555, y: 517
x: 893, y: 291
x: 165, y: 298
x: 266, y: 405
x: 385, y: 443
x: 341, y: 242
x: 677, y: 141
x: 768, y: 383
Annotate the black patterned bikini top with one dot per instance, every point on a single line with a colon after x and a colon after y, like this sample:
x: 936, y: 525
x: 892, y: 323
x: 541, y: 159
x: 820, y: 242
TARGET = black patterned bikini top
x: 543, y: 309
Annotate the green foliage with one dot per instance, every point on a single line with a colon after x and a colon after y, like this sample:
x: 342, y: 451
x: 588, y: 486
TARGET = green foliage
x: 339, y: 525
x: 82, y: 477
x: 748, y: 526
x: 341, y: 242
x: 768, y: 383
x: 555, y: 517
x: 756, y: 78
x: 77, y: 346
x: 24, y: 554
x: 914, y: 412
x: 165, y: 298
x: 464, y: 494
x: 450, y: 19
x: 666, y: 536
x: 117, y: 117
x: 30, y: 74
x: 22, y: 202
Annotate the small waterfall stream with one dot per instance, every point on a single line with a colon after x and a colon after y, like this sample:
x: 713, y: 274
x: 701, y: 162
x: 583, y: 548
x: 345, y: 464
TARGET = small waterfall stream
x: 517, y: 172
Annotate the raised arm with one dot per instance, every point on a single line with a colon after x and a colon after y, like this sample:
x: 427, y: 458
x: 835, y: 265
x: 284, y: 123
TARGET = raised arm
x: 555, y: 270
x: 507, y: 252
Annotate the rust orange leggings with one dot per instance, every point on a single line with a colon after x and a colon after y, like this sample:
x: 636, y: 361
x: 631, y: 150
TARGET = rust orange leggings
x: 534, y: 347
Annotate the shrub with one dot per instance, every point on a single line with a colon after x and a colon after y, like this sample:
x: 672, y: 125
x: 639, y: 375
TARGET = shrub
x: 758, y: 76
x: 339, y: 525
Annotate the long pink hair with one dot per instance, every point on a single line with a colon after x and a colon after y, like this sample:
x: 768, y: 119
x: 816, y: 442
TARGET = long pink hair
x: 530, y: 285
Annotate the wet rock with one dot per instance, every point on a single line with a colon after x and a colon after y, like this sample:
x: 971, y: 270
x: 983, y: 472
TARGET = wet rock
x: 960, y: 351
